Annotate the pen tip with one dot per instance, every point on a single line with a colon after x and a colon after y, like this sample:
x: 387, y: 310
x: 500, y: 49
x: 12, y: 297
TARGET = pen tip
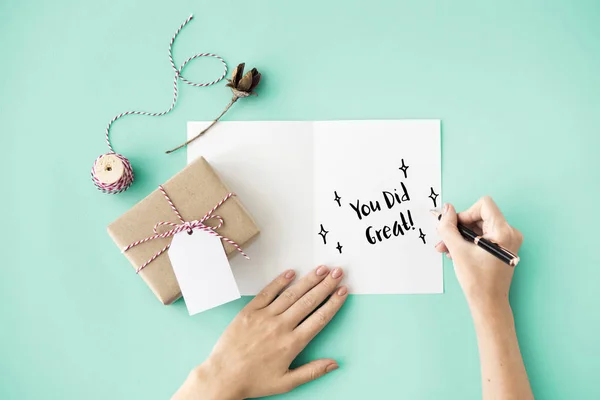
x: 435, y: 213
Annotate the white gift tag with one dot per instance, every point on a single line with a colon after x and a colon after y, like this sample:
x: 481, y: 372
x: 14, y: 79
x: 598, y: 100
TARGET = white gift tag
x: 202, y: 270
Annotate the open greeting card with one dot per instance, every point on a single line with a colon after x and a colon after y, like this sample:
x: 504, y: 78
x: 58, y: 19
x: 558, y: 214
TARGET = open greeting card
x: 354, y: 194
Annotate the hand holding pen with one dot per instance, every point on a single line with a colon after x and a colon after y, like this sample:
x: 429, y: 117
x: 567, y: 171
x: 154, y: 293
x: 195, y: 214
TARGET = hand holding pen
x: 495, y: 249
x: 485, y: 274
x: 482, y: 272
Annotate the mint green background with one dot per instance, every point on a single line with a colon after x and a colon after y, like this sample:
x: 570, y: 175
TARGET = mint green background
x: 516, y: 84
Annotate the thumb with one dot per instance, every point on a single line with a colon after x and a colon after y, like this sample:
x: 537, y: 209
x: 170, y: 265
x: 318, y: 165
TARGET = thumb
x: 448, y: 230
x: 309, y: 372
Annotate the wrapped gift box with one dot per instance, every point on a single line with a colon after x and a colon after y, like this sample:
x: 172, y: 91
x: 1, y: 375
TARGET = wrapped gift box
x: 194, y: 191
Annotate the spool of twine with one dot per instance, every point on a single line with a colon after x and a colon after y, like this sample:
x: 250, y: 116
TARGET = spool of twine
x: 112, y: 172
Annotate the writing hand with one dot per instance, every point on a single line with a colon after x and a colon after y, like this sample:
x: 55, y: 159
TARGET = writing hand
x: 253, y: 356
x: 486, y: 282
x: 484, y: 279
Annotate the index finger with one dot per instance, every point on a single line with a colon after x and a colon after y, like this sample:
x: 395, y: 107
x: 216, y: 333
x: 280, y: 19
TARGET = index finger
x: 484, y: 210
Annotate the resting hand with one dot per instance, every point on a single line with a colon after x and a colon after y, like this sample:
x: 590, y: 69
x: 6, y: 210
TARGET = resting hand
x: 253, y: 356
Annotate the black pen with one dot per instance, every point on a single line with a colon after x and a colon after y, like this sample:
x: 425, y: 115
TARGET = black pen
x: 493, y: 248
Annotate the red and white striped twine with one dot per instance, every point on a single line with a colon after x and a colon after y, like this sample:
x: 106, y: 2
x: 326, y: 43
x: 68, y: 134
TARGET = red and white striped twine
x: 126, y: 181
x: 119, y: 186
x: 185, y: 226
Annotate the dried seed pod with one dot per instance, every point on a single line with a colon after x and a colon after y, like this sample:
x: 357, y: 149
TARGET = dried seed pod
x: 241, y: 85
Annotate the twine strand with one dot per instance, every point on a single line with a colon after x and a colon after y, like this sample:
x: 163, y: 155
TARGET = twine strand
x: 127, y: 179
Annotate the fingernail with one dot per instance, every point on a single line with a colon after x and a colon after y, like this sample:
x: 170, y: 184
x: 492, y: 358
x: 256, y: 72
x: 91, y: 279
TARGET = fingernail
x: 446, y: 208
x: 331, y: 367
x: 342, y: 291
x: 438, y: 243
x: 322, y: 270
x: 289, y: 274
x: 336, y: 273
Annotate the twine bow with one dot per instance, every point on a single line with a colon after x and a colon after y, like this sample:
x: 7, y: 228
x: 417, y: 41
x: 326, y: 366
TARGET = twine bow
x: 189, y: 226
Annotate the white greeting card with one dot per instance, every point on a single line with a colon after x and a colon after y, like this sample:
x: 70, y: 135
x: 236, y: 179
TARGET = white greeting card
x: 354, y: 194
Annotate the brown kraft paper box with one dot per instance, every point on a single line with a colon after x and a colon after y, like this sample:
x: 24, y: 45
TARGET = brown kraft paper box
x: 194, y: 191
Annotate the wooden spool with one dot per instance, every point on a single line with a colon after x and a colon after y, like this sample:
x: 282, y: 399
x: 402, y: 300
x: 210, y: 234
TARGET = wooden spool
x: 109, y: 169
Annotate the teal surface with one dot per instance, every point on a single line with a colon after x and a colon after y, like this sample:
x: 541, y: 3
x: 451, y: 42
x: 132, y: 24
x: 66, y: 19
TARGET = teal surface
x: 516, y: 84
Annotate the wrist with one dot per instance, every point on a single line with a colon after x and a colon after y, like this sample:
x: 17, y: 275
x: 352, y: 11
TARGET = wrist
x: 204, y: 383
x: 484, y: 301
x: 490, y: 310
